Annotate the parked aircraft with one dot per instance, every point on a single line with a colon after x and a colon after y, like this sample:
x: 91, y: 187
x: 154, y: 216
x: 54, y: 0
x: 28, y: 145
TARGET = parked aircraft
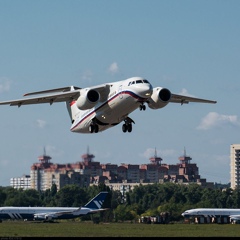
x: 100, y: 107
x: 51, y: 213
x: 232, y: 213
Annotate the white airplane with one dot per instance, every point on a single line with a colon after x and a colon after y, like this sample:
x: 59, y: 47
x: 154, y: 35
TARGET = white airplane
x: 232, y: 213
x: 98, y: 108
x: 51, y: 213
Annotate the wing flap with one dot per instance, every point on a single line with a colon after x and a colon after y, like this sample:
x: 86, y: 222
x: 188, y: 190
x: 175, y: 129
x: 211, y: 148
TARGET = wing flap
x: 185, y: 99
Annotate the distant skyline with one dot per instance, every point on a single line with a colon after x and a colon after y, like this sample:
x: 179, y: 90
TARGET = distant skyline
x: 189, y: 47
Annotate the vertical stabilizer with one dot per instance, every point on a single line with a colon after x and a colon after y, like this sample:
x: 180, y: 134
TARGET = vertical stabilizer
x: 97, y: 201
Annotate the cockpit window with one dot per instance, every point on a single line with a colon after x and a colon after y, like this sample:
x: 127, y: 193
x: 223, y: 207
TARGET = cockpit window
x: 138, y: 81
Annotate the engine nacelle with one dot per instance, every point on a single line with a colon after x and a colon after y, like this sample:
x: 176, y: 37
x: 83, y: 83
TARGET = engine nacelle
x: 88, y: 99
x: 48, y: 217
x: 42, y: 217
x: 160, y: 98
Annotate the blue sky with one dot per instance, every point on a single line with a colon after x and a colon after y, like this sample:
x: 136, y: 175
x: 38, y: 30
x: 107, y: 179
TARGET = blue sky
x: 189, y: 47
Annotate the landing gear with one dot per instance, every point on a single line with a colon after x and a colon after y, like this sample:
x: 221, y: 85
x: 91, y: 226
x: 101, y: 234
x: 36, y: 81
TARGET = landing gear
x: 142, y: 107
x: 127, y: 126
x: 93, y: 128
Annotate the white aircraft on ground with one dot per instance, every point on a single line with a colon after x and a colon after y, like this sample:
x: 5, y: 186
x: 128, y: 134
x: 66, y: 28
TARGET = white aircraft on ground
x: 51, y: 213
x: 98, y: 108
x: 232, y: 213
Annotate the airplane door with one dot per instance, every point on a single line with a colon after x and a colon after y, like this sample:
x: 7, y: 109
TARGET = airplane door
x: 120, y: 92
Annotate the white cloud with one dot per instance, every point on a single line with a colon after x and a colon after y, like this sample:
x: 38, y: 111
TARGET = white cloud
x: 150, y: 152
x: 185, y: 93
x: 53, y: 151
x: 113, y: 68
x: 4, y: 85
x: 213, y: 119
x: 41, y: 123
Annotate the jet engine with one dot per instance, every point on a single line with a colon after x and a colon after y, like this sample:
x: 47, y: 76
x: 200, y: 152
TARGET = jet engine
x: 43, y: 216
x: 88, y: 99
x: 160, y: 98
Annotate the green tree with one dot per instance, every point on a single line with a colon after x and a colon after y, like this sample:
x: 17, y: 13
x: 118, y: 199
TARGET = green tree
x: 71, y: 196
x: 235, y: 198
x: 3, y: 196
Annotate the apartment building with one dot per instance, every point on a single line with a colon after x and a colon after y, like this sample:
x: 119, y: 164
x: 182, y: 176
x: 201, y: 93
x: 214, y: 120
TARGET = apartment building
x: 45, y: 173
x: 234, y: 165
x: 23, y: 182
x: 123, y: 177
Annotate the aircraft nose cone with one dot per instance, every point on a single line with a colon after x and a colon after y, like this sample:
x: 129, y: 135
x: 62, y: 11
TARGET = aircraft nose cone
x: 146, y: 91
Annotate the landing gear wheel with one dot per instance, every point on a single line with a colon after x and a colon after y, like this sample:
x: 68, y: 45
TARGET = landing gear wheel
x: 124, y: 127
x: 129, y: 127
x: 93, y: 128
x: 96, y: 128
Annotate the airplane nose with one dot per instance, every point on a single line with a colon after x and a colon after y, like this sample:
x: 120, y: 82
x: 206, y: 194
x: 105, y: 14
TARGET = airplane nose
x: 146, y: 91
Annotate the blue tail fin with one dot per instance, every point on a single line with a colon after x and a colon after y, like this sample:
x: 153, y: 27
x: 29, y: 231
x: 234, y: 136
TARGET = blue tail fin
x: 97, y: 201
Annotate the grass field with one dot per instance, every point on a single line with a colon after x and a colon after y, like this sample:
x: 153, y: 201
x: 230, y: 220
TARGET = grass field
x: 16, y: 229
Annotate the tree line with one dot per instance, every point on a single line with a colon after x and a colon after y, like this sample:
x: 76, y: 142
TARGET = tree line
x: 147, y: 200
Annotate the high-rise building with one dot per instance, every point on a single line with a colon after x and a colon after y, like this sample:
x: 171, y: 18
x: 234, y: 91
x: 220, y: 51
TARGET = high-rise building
x: 45, y: 174
x: 23, y: 182
x: 86, y: 172
x: 235, y: 165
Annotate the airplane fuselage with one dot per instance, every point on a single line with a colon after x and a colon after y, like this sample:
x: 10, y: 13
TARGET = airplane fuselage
x: 49, y: 213
x: 38, y: 213
x: 27, y: 212
x: 211, y: 212
x: 123, y: 98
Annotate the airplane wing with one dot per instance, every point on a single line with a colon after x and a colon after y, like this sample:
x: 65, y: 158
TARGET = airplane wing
x: 48, y: 98
x: 51, y: 215
x: 56, y: 95
x: 185, y: 99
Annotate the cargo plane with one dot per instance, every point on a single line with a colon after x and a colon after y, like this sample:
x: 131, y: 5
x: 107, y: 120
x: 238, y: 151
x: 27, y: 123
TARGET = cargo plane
x: 98, y: 108
x: 52, y: 213
x: 232, y: 213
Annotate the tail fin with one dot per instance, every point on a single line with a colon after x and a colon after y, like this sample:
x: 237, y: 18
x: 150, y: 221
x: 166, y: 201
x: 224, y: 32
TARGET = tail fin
x: 97, y: 201
x: 71, y: 106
